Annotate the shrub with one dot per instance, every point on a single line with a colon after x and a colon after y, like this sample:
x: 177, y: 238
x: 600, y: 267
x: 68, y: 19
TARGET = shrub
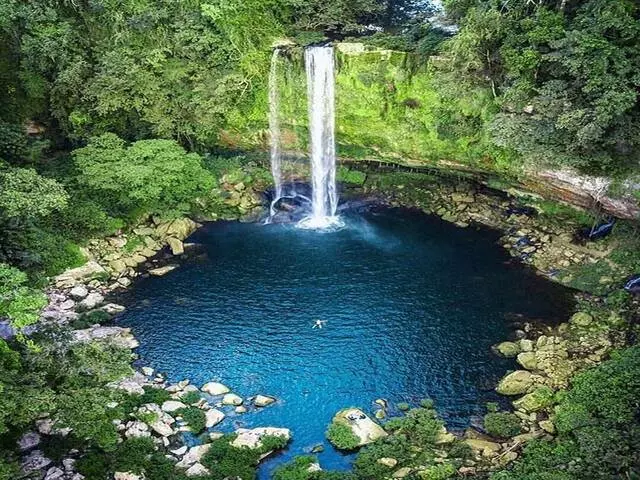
x: 226, y: 461
x: 403, y: 406
x: 18, y: 302
x: 502, y: 424
x: 342, y: 437
x: 191, y: 397
x: 132, y: 455
x: 298, y: 469
x: 194, y: 417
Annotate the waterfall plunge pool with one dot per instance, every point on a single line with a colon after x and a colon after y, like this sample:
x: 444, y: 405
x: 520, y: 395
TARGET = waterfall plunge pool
x: 412, y: 306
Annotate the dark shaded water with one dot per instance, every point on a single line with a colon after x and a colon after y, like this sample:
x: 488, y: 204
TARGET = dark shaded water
x: 412, y: 306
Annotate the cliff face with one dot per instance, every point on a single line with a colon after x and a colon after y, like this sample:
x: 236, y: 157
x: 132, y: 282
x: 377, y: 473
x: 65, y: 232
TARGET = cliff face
x: 391, y: 108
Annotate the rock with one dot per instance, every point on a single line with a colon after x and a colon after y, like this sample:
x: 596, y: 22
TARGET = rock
x: 176, y: 246
x: 547, y: 426
x: 317, y: 448
x: 162, y: 422
x: 380, y: 414
x: 241, y: 409
x: 172, y: 405
x: 215, y: 388
x: 534, y: 401
x: 232, y: 399
x: 213, y: 417
x: 401, y: 472
x: 527, y: 437
x: 34, y: 461
x: 483, y: 445
x: 137, y: 429
x: 581, y: 319
x: 263, y: 401
x: 508, y: 349
x: 528, y: 360
x: 253, y: 438
x: 508, y: 457
x: 79, y: 292
x: 215, y: 436
x: 72, y: 277
x: 314, y: 467
x: 179, y: 451
x: 387, y: 462
x: 361, y: 425
x: 444, y: 437
x: 194, y: 455
x: 112, y: 308
x: 54, y: 473
x: 69, y: 464
x: 93, y: 300
x: 132, y: 385
x: 515, y: 383
x: 159, y: 272
x: 117, y: 335
x: 467, y: 471
x: 118, y: 266
x: 45, y: 426
x: 148, y: 371
x: 197, y: 470
x: 127, y: 476
x: 28, y: 441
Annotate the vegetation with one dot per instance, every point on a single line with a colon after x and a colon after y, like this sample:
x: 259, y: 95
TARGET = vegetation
x: 341, y: 435
x: 502, y: 424
x: 597, y: 429
x: 115, y: 111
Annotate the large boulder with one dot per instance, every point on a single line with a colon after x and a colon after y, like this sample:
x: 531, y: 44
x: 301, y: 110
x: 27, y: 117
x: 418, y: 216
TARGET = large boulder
x: 194, y: 455
x: 361, y: 425
x: 246, y: 438
x: 215, y: 388
x: 172, y: 405
x: 232, y: 399
x: 528, y: 360
x: 91, y: 301
x: 117, y: 335
x: 83, y: 274
x: 515, y: 383
x: 263, y: 401
x: 213, y: 417
x: 176, y: 246
x: 508, y: 349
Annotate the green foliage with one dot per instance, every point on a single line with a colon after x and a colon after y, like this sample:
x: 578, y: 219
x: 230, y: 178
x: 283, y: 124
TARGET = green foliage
x: 191, y: 397
x: 421, y: 425
x: 148, y: 176
x: 598, y: 435
x: 20, y: 303
x: 502, y: 424
x: 341, y: 436
x: 25, y: 195
x: 226, y: 461
x: 194, y: 417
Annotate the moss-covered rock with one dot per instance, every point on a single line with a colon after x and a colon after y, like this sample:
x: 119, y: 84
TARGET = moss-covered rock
x: 515, y: 383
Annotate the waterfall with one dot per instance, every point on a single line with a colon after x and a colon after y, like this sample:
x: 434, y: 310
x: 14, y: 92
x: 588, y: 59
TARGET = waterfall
x: 320, y: 70
x: 274, y: 130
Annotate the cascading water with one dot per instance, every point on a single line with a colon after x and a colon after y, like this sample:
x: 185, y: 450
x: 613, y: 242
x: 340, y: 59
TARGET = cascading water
x: 320, y: 70
x: 274, y: 130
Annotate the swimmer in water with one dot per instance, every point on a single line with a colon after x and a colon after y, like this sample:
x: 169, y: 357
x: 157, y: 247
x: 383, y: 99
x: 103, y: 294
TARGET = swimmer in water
x: 319, y: 323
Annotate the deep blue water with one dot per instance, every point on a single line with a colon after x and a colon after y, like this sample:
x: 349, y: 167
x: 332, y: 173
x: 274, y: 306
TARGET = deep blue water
x: 412, y: 306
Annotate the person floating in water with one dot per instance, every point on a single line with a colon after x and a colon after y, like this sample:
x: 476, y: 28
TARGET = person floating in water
x: 319, y: 323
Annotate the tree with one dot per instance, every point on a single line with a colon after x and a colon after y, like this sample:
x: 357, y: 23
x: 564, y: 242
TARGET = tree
x: 148, y: 176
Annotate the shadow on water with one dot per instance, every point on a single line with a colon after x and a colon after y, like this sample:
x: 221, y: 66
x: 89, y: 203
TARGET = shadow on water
x: 412, y: 306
